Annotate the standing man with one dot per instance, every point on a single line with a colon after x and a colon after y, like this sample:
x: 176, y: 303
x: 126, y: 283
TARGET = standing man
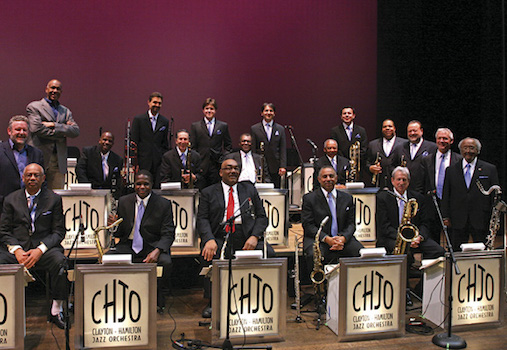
x: 412, y: 154
x: 15, y: 155
x: 249, y: 163
x: 31, y: 230
x: 273, y: 136
x: 210, y: 138
x: 348, y: 133
x: 384, y: 147
x: 220, y: 202
x: 51, y: 123
x: 331, y: 158
x: 98, y: 164
x: 337, y: 237
x: 149, y: 132
x: 147, y: 230
x: 178, y: 166
x: 464, y: 208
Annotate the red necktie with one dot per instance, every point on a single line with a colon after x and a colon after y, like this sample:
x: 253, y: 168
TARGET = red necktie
x: 230, y: 210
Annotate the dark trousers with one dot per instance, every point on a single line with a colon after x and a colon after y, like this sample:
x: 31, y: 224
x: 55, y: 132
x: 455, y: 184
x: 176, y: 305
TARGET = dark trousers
x: 458, y: 237
x: 50, y: 261
x: 238, y: 241
x: 351, y: 249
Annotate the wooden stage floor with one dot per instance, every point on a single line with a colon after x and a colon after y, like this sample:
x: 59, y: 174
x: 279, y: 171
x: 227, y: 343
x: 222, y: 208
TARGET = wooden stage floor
x: 185, y: 306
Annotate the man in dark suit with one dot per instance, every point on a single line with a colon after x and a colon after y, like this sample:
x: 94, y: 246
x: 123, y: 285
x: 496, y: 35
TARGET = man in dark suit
x: 147, y: 231
x: 15, y: 155
x: 275, y: 148
x: 389, y: 215
x: 348, y: 133
x: 220, y: 202
x: 249, y: 163
x: 337, y: 236
x: 412, y: 153
x: 149, y: 132
x: 383, y: 148
x: 434, y: 168
x: 98, y: 164
x: 178, y: 166
x: 331, y: 158
x: 31, y: 230
x: 464, y: 208
x: 51, y: 123
x: 211, y: 139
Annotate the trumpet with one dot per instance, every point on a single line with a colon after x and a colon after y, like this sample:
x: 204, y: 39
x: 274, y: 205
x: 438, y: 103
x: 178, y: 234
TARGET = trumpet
x: 375, y: 175
x: 100, y: 249
x: 403, y: 161
x: 261, y: 176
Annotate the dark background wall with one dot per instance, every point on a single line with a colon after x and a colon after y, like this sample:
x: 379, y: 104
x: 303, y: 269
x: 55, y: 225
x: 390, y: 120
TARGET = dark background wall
x: 308, y: 57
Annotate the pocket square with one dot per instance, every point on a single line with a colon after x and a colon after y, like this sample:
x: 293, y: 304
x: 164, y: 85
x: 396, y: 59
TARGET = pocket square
x: 347, y: 209
x: 219, y: 132
x: 162, y: 128
x: 483, y: 177
x: 277, y: 133
x: 47, y: 212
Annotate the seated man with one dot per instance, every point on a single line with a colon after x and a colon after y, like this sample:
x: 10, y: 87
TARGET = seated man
x: 220, y: 202
x: 177, y: 165
x: 147, y: 230
x: 31, y: 230
x: 249, y: 163
x: 390, y: 213
x: 98, y: 164
x: 332, y: 158
x: 337, y: 237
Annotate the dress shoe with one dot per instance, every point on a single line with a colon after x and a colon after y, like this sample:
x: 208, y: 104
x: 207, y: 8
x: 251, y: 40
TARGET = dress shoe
x: 206, y: 312
x: 58, y: 320
x: 410, y: 303
x: 160, y: 310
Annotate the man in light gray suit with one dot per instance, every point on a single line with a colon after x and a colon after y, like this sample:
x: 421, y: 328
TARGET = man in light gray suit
x: 50, y: 124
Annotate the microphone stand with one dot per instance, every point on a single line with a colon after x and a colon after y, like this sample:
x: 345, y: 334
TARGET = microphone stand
x: 171, y: 134
x: 295, y: 144
x: 448, y: 340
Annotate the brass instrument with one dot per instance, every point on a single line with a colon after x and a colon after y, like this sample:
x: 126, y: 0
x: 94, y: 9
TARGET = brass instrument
x: 115, y: 194
x: 100, y: 250
x: 130, y: 161
x: 188, y: 169
x: 375, y: 175
x: 403, y: 161
x: 318, y: 276
x: 261, y: 176
x: 354, y: 162
x: 297, y: 288
x: 499, y: 207
x: 407, y: 232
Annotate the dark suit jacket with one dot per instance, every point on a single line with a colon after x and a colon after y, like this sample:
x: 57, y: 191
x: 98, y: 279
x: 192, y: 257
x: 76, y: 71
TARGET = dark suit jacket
x: 151, y: 145
x: 210, y: 213
x: 428, y: 166
x: 170, y: 169
x: 11, y: 180
x: 157, y: 228
x: 342, y: 166
x: 387, y: 217
x: 316, y: 208
x: 89, y: 167
x: 377, y: 146
x: 358, y: 134
x: 275, y: 150
x: 211, y: 148
x: 460, y: 203
x: 15, y: 224
x: 257, y: 162
x: 45, y: 138
x: 415, y: 165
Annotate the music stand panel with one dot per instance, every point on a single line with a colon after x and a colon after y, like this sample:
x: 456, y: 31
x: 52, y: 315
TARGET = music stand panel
x: 365, y: 202
x: 12, y: 307
x: 276, y: 205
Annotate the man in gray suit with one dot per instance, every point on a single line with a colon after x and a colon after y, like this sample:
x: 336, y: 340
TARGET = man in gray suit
x: 50, y: 124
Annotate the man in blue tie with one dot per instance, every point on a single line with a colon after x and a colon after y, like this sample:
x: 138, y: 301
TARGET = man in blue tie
x: 147, y: 230
x: 465, y: 209
x: 337, y: 237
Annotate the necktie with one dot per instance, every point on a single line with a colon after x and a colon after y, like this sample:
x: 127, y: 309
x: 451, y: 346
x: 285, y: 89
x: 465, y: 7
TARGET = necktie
x: 153, y: 123
x: 184, y: 160
x: 332, y: 208
x: 31, y: 209
x: 105, y: 167
x: 230, y: 210
x: 333, y: 163
x: 137, y: 242
x: 401, y: 209
x: 441, y: 176
x: 349, y: 132
x: 210, y: 128
x: 468, y: 177
x: 268, y: 131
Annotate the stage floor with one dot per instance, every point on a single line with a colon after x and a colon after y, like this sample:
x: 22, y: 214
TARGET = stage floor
x: 185, y: 306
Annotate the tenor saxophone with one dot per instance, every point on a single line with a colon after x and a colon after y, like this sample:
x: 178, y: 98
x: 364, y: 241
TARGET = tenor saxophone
x: 407, y: 232
x: 354, y: 162
x: 499, y: 207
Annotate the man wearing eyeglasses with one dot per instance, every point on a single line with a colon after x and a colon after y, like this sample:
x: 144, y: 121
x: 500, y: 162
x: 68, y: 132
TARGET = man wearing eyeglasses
x: 222, y: 202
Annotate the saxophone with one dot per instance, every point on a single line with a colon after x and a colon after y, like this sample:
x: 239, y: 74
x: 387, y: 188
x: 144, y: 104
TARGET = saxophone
x: 499, y: 207
x: 354, y: 162
x: 100, y: 249
x: 261, y: 176
x: 318, y: 276
x: 407, y: 232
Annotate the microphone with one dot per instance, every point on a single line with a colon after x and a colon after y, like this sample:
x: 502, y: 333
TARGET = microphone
x: 81, y: 228
x: 324, y: 221
x: 312, y: 143
x: 431, y: 192
x: 288, y: 127
x: 251, y: 207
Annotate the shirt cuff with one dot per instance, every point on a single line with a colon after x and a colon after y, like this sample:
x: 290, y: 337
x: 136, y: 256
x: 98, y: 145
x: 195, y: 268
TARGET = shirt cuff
x: 13, y: 248
x: 43, y: 247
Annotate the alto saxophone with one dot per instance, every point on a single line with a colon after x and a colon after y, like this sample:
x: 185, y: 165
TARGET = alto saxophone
x: 261, y: 176
x: 354, y: 162
x: 318, y: 276
x: 100, y: 249
x: 407, y: 232
x: 499, y: 207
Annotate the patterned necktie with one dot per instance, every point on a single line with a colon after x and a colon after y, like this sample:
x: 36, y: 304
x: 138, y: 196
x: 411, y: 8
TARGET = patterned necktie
x: 210, y: 128
x: 333, y: 163
x: 468, y: 176
x: 268, y: 131
x: 31, y: 209
x: 401, y: 209
x: 137, y: 241
x: 230, y: 210
x: 184, y: 160
x: 441, y: 176
x: 105, y: 167
x: 332, y: 208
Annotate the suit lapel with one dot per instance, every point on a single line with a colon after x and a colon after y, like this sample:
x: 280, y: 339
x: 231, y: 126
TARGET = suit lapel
x: 50, y: 116
x: 324, y: 202
x: 219, y: 196
x: 42, y: 204
x: 10, y: 155
x: 204, y: 128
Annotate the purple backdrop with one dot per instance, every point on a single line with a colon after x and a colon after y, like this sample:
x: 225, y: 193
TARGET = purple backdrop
x: 308, y: 57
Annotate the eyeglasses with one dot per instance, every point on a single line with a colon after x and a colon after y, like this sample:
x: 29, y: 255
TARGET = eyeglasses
x: 230, y: 168
x: 246, y: 141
